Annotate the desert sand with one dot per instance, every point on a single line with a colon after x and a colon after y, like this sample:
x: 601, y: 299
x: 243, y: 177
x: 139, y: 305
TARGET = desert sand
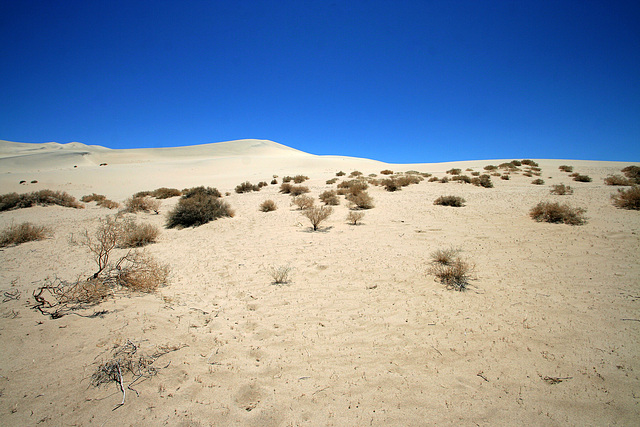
x: 362, y: 334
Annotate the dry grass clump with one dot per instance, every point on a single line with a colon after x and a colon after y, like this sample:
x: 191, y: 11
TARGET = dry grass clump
x: 566, y: 168
x: 361, y: 200
x: 246, y: 187
x: 268, y: 206
x: 450, y: 269
x: 444, y: 179
x: 280, y: 274
x: 509, y: 166
x: 475, y: 173
x: 490, y: 167
x: 354, y: 217
x: 100, y: 201
x: 298, y: 179
x: 352, y: 187
x: 332, y: 181
x: 454, y: 201
x: 482, y: 181
x: 133, y: 234
x: 554, y: 212
x: 462, y: 178
x: 285, y: 188
x: 529, y: 163
x: 516, y: 162
x: 274, y: 181
x: 303, y: 202
x: 330, y: 197
x: 197, y: 210
x: 200, y: 191
x: 165, y: 193
x: 317, y: 215
x: 141, y: 204
x: 538, y: 181
x: 582, y: 178
x: 22, y: 233
x: 627, y: 198
x: 297, y: 190
x: 391, y: 184
x: 142, y: 273
x: 12, y: 201
x: 633, y: 173
x: 617, y: 180
x: 561, y: 189
x: 386, y: 172
x: 355, y: 174
x: 340, y: 173
x: 434, y: 179
x: 454, y: 171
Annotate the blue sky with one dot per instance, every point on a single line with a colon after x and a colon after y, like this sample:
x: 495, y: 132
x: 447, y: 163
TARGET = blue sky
x: 397, y: 81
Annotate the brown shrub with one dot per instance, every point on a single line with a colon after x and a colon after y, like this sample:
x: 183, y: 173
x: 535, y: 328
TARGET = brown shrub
x: 21, y: 233
x: 407, y: 180
x: 330, y: 197
x: 303, y: 202
x: 561, y: 189
x: 482, y: 181
x: 317, y: 215
x: 109, y: 204
x: 285, y: 188
x: 165, y: 193
x: 565, y: 168
x: 633, y: 173
x: 142, y: 273
x: 617, y: 180
x: 386, y: 172
x: 38, y: 198
x: 433, y: 179
x: 391, y: 184
x: 475, y: 173
x: 92, y: 198
x: 444, y: 179
x: 506, y: 177
x: 554, y: 212
x: 454, y: 171
x: 198, y: 210
x: 361, y: 200
x: 538, y: 181
x: 444, y: 256
x: 246, y: 187
x: 516, y: 162
x: 133, y: 234
x: 280, y: 274
x: 141, y: 204
x: 332, y: 181
x: 355, y: 174
x: 490, y: 167
x: 451, y: 270
x: 297, y: 190
x: 340, y: 173
x: 461, y: 178
x: 200, y: 191
x: 354, y: 217
x: 454, y: 201
x: 268, y: 206
x: 582, y: 178
x: 529, y: 163
x: 298, y: 179
x: 274, y: 181
x: 627, y: 198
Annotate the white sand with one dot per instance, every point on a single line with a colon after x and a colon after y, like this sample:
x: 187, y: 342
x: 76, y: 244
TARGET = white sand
x: 362, y: 335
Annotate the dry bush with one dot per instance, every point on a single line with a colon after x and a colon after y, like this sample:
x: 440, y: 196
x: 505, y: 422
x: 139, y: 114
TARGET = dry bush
x: 332, y: 181
x: 141, y: 204
x: 262, y: 184
x: 391, y: 184
x: 287, y: 179
x: 330, y: 197
x: 200, y: 191
x: 633, y: 173
x: 454, y: 171
x: 373, y: 175
x: 38, y: 198
x: 566, y: 168
x: 462, y: 178
x: 444, y: 180
x: 529, y: 163
x: 433, y: 179
x: 57, y: 298
x: 554, y: 212
x: 317, y: 215
x: 538, y: 181
x: 340, y: 173
x: 495, y: 174
x: 197, y: 210
x: 303, y: 202
x: 165, y: 193
x: 528, y: 174
x: 627, y: 198
x: 246, y: 187
x: 516, y: 162
x: 505, y: 177
x: 285, y: 188
x: 109, y: 204
x: 508, y: 165
x: 386, y: 172
x: 361, y: 200
x: 22, y: 233
x: 561, y: 189
x: 352, y: 187
x: 139, y: 272
x: 298, y: 179
x: 454, y: 201
x: 450, y: 269
x: 617, y: 180
x: 475, y: 173
x: 407, y: 180
x: 280, y: 274
x: 354, y: 217
x: 355, y: 174
x: 297, y: 190
x: 133, y: 234
x: 490, y: 167
x: 482, y: 181
x: 92, y: 198
x: 582, y: 178
x: 274, y: 181
x: 268, y: 206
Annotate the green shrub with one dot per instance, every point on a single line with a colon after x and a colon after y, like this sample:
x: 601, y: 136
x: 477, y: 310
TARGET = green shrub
x: 22, y: 233
x: 627, y: 198
x: 556, y: 213
x: 198, y: 210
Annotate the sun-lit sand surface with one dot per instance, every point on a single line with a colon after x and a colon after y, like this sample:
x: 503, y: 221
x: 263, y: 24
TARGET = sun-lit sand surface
x: 362, y: 335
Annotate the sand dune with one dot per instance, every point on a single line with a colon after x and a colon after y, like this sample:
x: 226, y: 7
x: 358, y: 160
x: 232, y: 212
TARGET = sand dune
x: 362, y: 335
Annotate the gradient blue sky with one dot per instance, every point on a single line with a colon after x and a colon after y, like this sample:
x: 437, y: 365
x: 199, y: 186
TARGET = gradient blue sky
x: 397, y: 81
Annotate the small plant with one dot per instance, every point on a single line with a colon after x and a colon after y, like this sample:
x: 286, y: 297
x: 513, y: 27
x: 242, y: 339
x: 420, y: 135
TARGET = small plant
x: 566, y: 168
x: 450, y: 269
x: 340, y: 173
x: 262, y: 184
x: 582, y: 178
x: 391, y: 184
x: 444, y: 256
x: 332, y: 181
x: 386, y: 172
x: 490, y: 167
x: 454, y: 171
x: 303, y: 202
x: 198, y: 210
x: 354, y: 217
x: 268, y: 206
x: 633, y: 173
x: 22, y: 233
x: 617, y: 180
x: 285, y: 188
x: 529, y: 163
x: 317, y: 215
x: 434, y: 179
x: 561, y: 189
x: 505, y: 177
x: 554, y: 212
x: 627, y: 198
x: 454, y: 201
x: 475, y: 173
x: 482, y: 181
x: 516, y: 162
x: 361, y: 200
x: 133, y: 234
x: 538, y: 181
x: 444, y: 179
x: 92, y: 198
x: 165, y: 193
x: 142, y: 204
x: 330, y: 197
x: 298, y: 179
x: 462, y: 178
x: 355, y: 174
x: 274, y: 181
x: 280, y: 274
x: 246, y: 187
x: 297, y: 190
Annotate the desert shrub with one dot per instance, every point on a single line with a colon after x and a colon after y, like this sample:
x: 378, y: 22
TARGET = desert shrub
x: 407, y: 180
x: 262, y: 184
x: 528, y: 174
x: 274, y: 181
x: 317, y: 215
x: 332, y: 181
x: 507, y: 165
x: 450, y: 269
x: 298, y: 179
x: 141, y: 273
x: 516, y: 162
x: 538, y: 181
x: 109, y: 204
x: 391, y: 184
x: 462, y: 178
x: 529, y: 163
x: 482, y: 181
x: 21, y: 233
x: 561, y: 189
x: 268, y: 206
x: 279, y: 274
x: 505, y: 177
x: 490, y: 167
x: 454, y: 201
x: 582, y: 178
x: 165, y: 193
x: 287, y: 179
x: 354, y: 217
x: 38, y: 198
x: 425, y: 174
x: 297, y: 190
x: 330, y: 197
x: 444, y: 179
x: 454, y: 171
x: 617, y: 180
x: 632, y: 172
x: 141, y: 204
x: 132, y: 234
x: 352, y: 187
x: 372, y: 175
x: 386, y: 172
x: 627, y: 198
x: 246, y: 187
x: 340, y: 173
x: 355, y: 174
x: 433, y: 179
x: 361, y: 200
x: 565, y: 168
x: 200, y: 191
x: 475, y: 173
x: 556, y: 213
x: 496, y: 174
x: 285, y: 188
x: 92, y: 198
x: 303, y: 202
x: 198, y: 210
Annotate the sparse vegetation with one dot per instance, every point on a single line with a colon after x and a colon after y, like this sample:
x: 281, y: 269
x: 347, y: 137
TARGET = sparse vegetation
x: 454, y: 171
x: 285, y: 188
x: 280, y: 274
x: 361, y: 200
x: 554, y: 212
x: 391, y: 184
x: 100, y: 201
x: 268, y: 206
x: 475, y: 173
x: 141, y: 204
x: 617, y: 180
x: 133, y: 234
x: 274, y: 181
x: 355, y: 174
x: 354, y: 217
x: 22, y: 233
x: 627, y: 198
x: 582, y: 178
x: 454, y: 201
x: 386, y: 172
x: 538, y: 181
x: 466, y: 179
x: 198, y: 210
x: 200, y: 191
x: 303, y: 202
x: 566, y: 168
x: 317, y: 215
x: 330, y: 197
x: 332, y: 181
x: 633, y: 173
x: 297, y: 190
x: 298, y: 179
x: 529, y: 163
x: 505, y: 177
x: 482, y: 181
x: 490, y: 167
x: 340, y: 173
x: 12, y: 201
x: 450, y: 269
x: 160, y: 193
x: 246, y: 187
x: 561, y: 189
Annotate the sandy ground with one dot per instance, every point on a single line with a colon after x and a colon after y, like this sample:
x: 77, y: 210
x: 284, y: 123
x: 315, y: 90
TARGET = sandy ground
x: 362, y: 335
